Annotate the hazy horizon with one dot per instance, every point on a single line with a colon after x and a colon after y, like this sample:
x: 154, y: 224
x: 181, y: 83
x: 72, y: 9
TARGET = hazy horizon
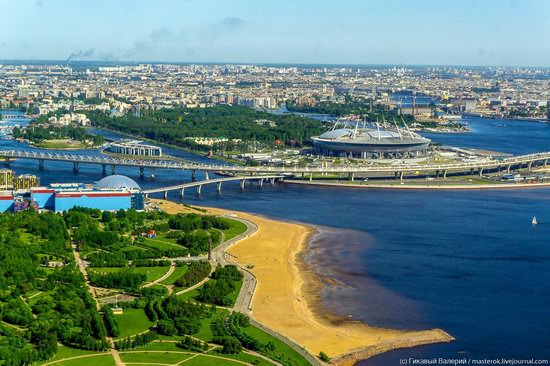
x: 373, y: 32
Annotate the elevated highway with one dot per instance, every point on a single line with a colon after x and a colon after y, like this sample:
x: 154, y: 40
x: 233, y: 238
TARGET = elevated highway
x: 398, y: 168
x: 218, y: 182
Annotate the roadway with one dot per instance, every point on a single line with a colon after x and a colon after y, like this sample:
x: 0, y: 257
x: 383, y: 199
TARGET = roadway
x: 218, y: 181
x: 350, y: 169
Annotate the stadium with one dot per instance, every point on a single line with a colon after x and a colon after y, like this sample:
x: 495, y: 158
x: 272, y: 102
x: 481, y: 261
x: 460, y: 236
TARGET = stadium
x: 370, y: 142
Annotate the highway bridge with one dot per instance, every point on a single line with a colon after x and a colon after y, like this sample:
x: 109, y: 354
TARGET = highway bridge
x: 218, y: 182
x: 398, y: 168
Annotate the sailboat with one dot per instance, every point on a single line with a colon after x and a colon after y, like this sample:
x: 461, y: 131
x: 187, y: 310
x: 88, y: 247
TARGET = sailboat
x: 534, y: 221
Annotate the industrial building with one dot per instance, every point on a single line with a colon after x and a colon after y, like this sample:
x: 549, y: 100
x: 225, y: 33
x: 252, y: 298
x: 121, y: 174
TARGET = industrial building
x: 134, y: 148
x: 366, y: 142
x: 112, y: 193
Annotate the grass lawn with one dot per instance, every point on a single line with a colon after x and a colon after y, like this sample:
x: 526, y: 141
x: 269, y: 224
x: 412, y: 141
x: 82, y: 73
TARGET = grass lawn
x: 204, y: 360
x: 282, y: 349
x: 233, y: 296
x: 68, y: 352
x: 236, y: 228
x: 160, y: 346
x: 178, y: 272
x: 154, y: 357
x: 132, y: 321
x: 101, y: 360
x: 191, y: 295
x: 61, y: 144
x: 245, y: 357
x: 43, y: 295
x: 205, y: 332
x: 161, y: 242
x: 152, y: 273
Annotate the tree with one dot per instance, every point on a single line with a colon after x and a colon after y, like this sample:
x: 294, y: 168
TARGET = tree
x: 166, y: 327
x: 231, y: 345
x: 324, y: 357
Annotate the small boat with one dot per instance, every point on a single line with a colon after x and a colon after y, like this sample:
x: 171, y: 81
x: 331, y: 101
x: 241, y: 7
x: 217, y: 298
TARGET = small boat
x: 534, y: 221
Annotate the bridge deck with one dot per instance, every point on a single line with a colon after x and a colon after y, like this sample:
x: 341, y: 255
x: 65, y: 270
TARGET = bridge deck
x: 391, y: 168
x: 210, y: 181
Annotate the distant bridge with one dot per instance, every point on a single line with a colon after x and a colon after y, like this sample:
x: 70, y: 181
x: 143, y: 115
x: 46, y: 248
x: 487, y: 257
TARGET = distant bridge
x: 218, y: 182
x: 13, y: 116
x: 398, y: 168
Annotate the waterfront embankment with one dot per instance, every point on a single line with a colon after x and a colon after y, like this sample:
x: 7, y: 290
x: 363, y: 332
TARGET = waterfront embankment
x: 419, y: 186
x: 288, y: 300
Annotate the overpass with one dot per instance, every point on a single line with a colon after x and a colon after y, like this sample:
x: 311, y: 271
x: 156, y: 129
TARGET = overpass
x: 218, y: 182
x: 399, y: 169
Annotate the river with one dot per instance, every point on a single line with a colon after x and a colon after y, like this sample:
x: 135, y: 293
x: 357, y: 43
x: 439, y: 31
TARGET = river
x: 469, y: 262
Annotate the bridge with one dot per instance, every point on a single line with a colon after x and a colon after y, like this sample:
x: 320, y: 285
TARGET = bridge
x: 398, y: 168
x: 218, y: 182
x: 13, y: 116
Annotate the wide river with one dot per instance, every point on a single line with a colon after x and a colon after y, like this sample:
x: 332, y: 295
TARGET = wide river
x: 469, y: 262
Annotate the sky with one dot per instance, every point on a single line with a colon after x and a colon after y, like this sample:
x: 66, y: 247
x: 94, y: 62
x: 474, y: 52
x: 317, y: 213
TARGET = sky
x: 409, y: 32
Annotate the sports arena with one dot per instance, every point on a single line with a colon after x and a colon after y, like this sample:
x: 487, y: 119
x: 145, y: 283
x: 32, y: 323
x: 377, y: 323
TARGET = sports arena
x: 368, y: 142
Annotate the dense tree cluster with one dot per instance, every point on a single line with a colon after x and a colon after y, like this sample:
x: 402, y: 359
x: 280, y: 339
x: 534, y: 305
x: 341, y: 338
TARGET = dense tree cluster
x: 356, y: 106
x: 173, y: 126
x: 136, y: 341
x: 124, y: 279
x: 110, y: 321
x: 176, y: 316
x: 191, y: 344
x: 223, y: 284
x: 196, y: 272
x: 37, y: 133
x: 63, y: 312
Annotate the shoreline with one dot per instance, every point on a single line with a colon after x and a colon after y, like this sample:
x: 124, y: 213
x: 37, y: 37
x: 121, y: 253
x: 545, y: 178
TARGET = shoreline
x: 421, y: 186
x: 288, y: 299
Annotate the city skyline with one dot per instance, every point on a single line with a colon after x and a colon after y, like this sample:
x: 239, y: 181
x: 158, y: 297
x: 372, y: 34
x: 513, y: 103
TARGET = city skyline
x: 492, y: 33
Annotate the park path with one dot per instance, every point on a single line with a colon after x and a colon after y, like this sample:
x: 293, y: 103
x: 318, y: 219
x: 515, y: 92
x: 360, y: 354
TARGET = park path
x: 165, y: 276
x: 84, y: 271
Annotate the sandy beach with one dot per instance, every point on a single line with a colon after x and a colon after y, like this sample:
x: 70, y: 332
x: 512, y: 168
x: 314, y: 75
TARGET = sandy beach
x: 287, y: 298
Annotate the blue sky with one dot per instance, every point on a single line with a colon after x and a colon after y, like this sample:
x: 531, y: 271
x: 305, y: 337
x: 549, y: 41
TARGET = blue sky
x: 460, y: 32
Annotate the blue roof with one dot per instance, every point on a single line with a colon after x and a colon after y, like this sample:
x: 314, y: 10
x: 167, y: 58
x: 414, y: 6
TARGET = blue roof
x: 117, y: 181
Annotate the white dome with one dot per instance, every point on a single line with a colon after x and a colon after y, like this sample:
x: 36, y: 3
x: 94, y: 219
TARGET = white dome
x: 117, y: 181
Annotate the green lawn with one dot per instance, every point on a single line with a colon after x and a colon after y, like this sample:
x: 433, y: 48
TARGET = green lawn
x: 236, y: 228
x: 161, y: 346
x: 132, y: 321
x: 162, y: 243
x: 68, y: 352
x: 130, y: 248
x: 152, y: 273
x: 61, y: 144
x: 282, y: 349
x: 154, y: 357
x: 204, y: 360
x: 100, y: 360
x: 245, y: 357
x: 191, y: 295
x: 233, y: 296
x: 180, y: 271
x: 205, y: 332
